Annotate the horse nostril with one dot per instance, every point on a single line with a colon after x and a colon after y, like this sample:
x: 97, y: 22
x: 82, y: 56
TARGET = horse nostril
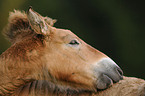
x: 120, y: 72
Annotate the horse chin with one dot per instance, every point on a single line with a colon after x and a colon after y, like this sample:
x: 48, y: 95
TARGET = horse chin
x: 104, y: 82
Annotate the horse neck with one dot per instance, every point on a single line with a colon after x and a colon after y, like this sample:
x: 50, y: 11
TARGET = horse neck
x: 15, y: 71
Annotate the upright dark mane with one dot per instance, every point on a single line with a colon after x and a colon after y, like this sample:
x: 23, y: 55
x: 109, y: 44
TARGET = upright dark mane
x: 18, y: 26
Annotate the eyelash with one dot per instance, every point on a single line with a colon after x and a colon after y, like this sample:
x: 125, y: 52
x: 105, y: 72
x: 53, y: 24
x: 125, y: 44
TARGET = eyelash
x: 74, y: 42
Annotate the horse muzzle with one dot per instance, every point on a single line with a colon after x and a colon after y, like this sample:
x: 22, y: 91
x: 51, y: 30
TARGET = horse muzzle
x: 107, y: 72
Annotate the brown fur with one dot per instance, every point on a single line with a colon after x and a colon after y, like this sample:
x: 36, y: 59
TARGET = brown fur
x: 18, y: 26
x: 128, y: 87
x: 42, y: 62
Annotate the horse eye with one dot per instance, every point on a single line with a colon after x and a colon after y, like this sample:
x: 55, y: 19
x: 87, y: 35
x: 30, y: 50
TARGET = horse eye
x: 74, y: 42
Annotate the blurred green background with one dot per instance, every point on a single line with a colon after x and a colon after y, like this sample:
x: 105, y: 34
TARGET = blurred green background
x: 115, y: 27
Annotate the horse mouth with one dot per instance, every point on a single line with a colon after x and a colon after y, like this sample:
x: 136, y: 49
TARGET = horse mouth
x: 107, y: 79
x: 104, y: 82
x: 108, y: 72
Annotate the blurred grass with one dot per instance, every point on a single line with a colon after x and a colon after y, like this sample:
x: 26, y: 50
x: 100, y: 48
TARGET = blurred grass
x: 114, y: 27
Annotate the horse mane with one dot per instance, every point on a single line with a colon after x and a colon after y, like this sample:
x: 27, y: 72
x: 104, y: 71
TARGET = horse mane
x: 18, y: 26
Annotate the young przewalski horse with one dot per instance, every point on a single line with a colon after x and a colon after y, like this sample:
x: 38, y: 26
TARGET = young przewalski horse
x: 51, y: 60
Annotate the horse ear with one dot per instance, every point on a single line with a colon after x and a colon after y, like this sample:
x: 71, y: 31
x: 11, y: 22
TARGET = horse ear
x: 37, y: 22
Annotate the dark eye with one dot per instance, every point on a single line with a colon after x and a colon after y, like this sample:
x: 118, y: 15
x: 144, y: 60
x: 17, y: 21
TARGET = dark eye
x: 74, y: 42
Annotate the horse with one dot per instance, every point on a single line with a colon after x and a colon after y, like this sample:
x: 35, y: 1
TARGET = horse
x: 44, y: 60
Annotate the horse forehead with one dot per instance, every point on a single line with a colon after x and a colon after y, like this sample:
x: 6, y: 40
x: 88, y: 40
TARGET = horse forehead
x: 64, y: 33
